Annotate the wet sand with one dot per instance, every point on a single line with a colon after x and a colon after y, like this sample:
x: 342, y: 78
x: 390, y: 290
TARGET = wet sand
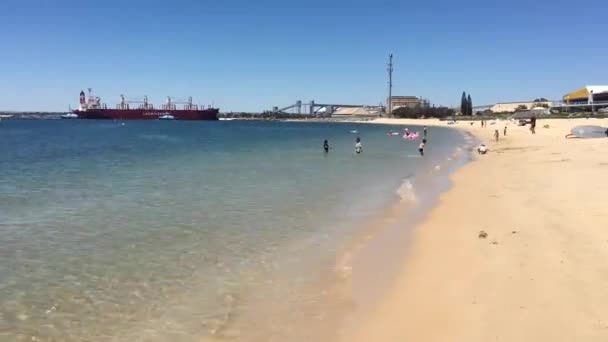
x: 540, y: 274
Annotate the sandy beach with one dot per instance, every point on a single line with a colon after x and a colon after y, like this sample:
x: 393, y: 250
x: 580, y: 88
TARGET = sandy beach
x: 540, y: 274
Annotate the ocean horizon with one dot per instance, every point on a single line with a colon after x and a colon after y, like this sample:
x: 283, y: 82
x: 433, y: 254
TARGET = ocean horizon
x: 229, y: 230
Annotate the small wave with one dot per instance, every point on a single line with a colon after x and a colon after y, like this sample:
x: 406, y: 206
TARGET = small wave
x: 10, y: 131
x: 344, y: 269
x: 218, y: 325
x: 406, y: 191
x: 159, y: 137
x: 469, y: 139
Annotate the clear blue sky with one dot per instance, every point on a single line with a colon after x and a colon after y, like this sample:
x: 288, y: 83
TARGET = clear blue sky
x: 250, y: 55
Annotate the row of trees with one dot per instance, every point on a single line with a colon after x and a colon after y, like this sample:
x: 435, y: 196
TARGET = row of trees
x: 419, y: 112
x: 466, y: 104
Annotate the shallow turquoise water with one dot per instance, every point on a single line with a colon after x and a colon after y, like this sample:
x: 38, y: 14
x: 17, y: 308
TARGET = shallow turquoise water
x: 151, y: 231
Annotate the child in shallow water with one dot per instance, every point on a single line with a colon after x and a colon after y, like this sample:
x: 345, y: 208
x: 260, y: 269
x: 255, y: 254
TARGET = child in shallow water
x: 421, y: 149
x: 358, y: 146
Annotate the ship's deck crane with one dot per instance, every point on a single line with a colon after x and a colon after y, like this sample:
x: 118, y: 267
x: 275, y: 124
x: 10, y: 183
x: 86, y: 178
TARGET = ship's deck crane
x: 171, y: 104
x: 124, y: 103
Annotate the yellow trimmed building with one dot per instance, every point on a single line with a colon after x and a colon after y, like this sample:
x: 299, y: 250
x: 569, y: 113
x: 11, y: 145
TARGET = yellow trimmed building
x: 588, y: 94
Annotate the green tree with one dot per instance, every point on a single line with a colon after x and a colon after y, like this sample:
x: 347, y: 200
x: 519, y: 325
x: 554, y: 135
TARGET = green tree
x: 419, y: 112
x: 469, y: 106
x: 521, y: 108
x: 405, y: 112
x: 463, y: 104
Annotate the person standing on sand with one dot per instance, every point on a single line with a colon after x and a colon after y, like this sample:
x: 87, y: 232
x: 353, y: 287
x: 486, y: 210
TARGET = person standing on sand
x: 421, y: 149
x: 533, y: 125
x: 326, y: 146
x: 505, y: 131
x: 496, y: 134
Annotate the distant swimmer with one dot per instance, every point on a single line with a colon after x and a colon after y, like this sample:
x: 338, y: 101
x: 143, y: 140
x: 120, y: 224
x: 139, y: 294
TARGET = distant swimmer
x: 358, y: 146
x: 326, y: 146
x: 406, y: 133
x: 482, y: 149
x: 421, y: 149
x: 424, y: 130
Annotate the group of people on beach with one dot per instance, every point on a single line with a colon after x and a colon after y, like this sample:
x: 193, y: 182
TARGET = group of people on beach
x: 359, y: 145
x: 483, y: 149
x: 497, y: 134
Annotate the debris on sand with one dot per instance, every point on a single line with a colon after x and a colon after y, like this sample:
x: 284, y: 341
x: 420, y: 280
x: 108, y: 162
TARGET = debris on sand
x: 482, y: 234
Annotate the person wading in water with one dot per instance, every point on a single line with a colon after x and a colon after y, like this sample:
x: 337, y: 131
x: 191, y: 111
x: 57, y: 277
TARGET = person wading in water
x: 421, y: 148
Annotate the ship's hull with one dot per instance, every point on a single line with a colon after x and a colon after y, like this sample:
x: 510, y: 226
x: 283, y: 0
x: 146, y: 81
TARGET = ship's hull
x: 147, y: 114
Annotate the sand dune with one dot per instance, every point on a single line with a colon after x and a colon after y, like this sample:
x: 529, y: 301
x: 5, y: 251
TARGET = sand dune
x: 541, y: 274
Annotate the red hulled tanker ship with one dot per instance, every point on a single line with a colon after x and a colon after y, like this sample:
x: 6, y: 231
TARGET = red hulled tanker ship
x: 92, y: 108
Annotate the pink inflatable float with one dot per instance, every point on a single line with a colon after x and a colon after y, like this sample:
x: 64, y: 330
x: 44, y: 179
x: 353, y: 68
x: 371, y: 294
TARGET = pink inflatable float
x: 411, y: 136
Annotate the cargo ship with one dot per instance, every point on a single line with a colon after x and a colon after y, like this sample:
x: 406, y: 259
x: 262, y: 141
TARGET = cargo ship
x: 92, y: 108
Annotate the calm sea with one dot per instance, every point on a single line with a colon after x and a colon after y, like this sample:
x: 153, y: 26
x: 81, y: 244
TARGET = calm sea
x: 183, y: 231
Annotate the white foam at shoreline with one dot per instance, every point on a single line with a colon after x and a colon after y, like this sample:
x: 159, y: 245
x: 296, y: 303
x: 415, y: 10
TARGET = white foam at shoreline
x: 406, y: 192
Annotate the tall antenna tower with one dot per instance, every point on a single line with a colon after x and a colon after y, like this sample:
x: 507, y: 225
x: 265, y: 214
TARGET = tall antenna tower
x: 390, y: 84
